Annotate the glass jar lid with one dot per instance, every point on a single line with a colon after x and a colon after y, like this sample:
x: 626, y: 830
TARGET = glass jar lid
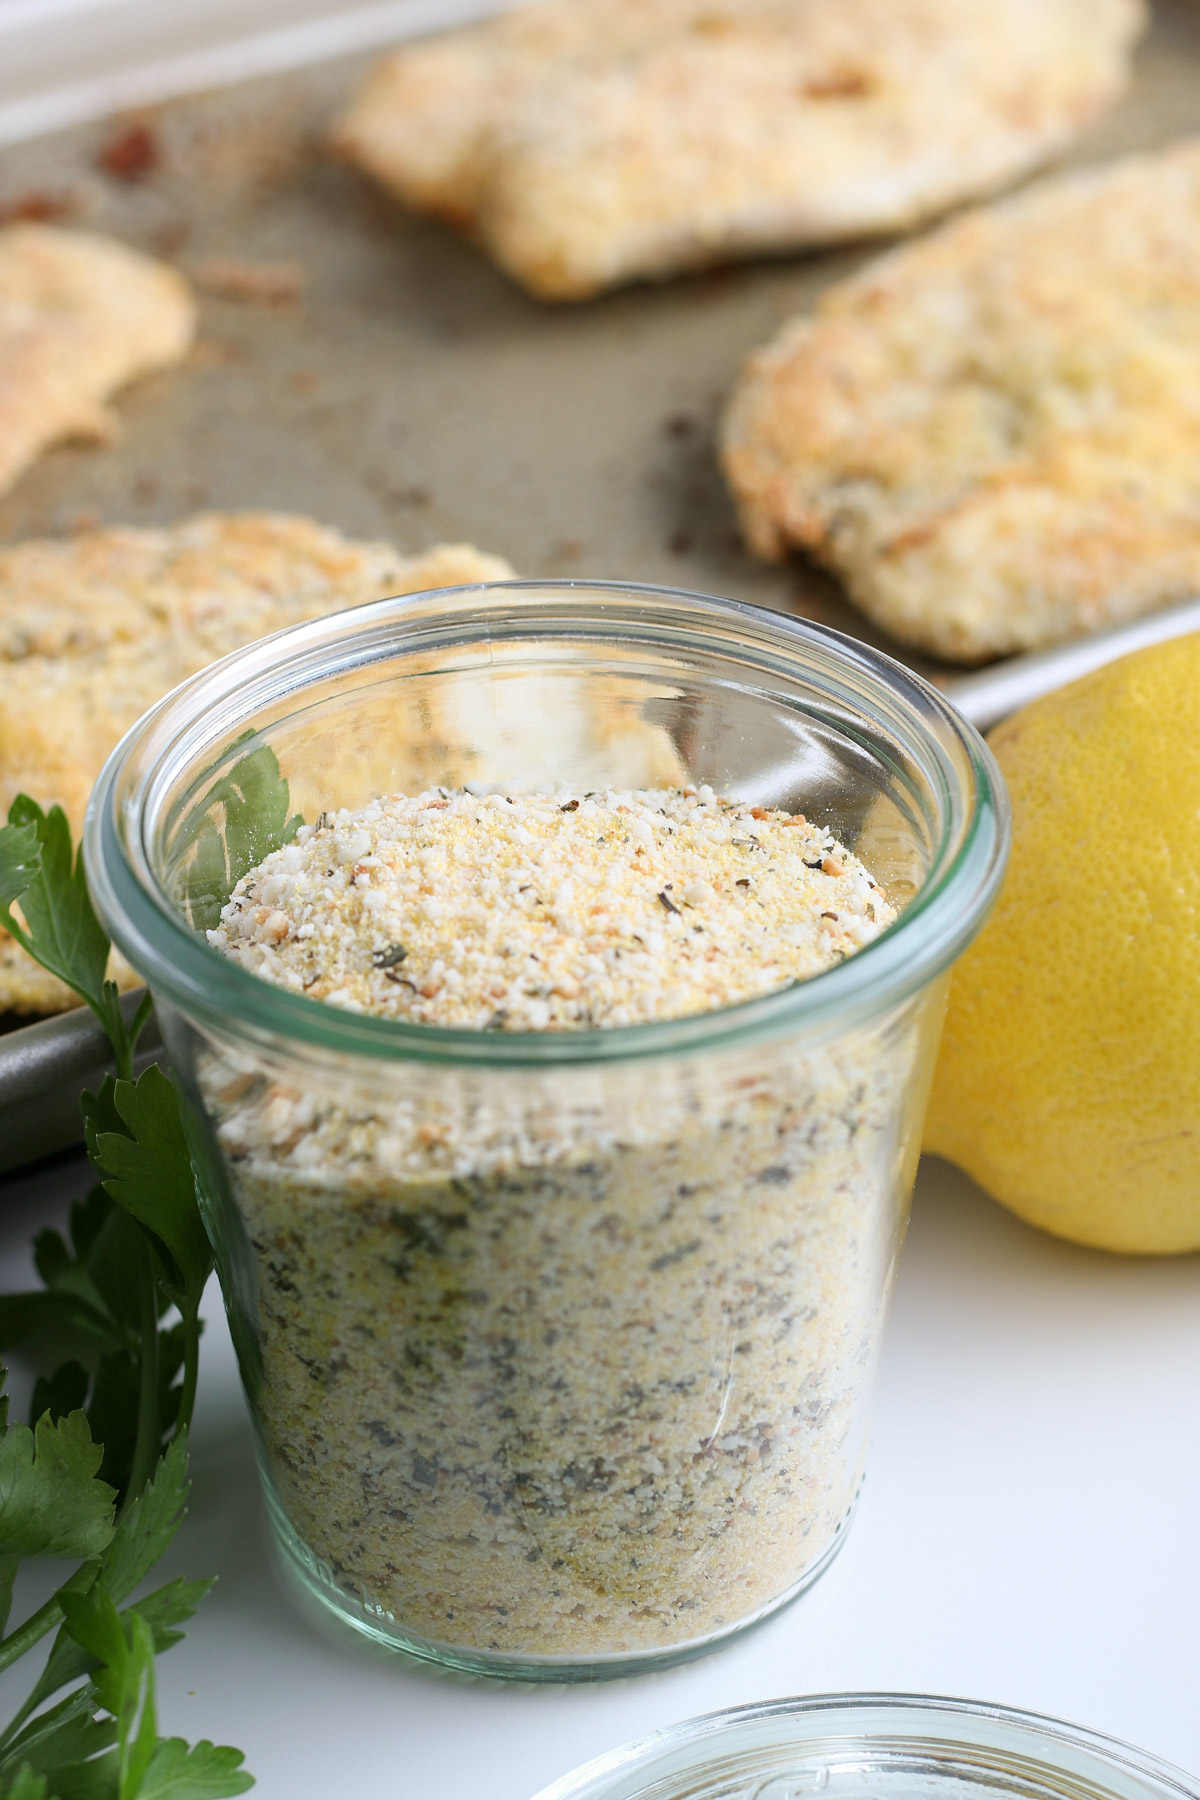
x: 874, y: 1747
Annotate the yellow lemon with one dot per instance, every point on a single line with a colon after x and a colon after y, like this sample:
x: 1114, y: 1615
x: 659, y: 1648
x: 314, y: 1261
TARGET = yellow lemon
x: 1068, y: 1083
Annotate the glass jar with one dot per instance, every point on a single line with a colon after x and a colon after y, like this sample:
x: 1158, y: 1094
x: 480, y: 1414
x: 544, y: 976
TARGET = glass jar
x: 559, y: 1346
x: 874, y: 1747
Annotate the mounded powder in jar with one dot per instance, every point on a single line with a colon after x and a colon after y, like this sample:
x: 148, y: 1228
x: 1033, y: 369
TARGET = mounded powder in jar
x: 568, y: 1362
x: 550, y: 912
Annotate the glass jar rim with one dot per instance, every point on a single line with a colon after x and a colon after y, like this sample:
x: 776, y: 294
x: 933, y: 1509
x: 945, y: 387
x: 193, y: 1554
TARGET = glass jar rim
x: 1009, y: 1740
x: 181, y: 966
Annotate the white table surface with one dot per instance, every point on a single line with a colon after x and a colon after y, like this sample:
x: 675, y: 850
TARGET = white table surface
x: 1029, y: 1533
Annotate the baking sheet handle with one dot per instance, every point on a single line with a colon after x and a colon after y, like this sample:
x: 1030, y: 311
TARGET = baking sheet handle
x: 44, y: 1069
x: 1005, y: 687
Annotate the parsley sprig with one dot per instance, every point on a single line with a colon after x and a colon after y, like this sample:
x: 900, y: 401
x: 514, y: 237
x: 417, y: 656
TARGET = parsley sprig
x: 100, y: 1476
x: 40, y: 870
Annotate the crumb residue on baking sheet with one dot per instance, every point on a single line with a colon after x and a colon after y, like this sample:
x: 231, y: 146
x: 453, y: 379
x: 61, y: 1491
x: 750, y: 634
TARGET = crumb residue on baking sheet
x: 257, y: 282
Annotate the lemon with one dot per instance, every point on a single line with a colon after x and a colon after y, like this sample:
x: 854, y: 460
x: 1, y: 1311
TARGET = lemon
x: 1068, y: 1083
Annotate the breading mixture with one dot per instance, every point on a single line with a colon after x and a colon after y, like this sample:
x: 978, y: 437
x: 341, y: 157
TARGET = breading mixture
x: 993, y: 435
x: 591, y: 142
x: 79, y: 317
x: 550, y: 911
x: 96, y: 628
x: 562, y: 1361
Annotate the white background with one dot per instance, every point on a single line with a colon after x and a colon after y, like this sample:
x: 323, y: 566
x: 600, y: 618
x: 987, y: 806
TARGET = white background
x: 1029, y: 1533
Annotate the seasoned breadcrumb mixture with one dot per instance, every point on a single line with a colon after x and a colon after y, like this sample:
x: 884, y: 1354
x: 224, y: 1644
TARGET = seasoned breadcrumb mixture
x: 565, y: 1361
x: 549, y: 912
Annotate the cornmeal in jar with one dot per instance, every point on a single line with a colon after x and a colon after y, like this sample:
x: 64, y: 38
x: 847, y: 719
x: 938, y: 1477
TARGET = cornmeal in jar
x: 570, y: 1361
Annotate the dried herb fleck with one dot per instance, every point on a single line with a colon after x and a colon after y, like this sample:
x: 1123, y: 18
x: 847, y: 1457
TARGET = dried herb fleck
x: 389, y: 958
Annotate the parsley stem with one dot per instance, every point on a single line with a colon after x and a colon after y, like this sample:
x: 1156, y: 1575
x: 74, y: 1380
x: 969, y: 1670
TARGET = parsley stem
x: 191, y: 1371
x: 111, y: 1018
x: 43, y: 1620
x: 138, y: 1025
x: 123, y: 1057
x: 148, y: 1443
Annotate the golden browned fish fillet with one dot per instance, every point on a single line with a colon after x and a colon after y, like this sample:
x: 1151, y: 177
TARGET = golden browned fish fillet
x: 94, y: 629
x: 79, y: 317
x: 591, y: 142
x: 993, y: 436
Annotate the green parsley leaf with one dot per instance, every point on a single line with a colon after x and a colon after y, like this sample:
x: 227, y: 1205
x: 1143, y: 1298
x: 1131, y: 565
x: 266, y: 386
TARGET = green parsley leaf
x: 58, y: 926
x: 89, y: 1306
x: 143, y: 1532
x: 100, y: 1113
x: 50, y: 1501
x: 8, y: 1564
x: 60, y: 1314
x: 73, y: 1265
x: 20, y: 861
x: 162, y: 1610
x: 172, y: 1604
x: 89, y: 1217
x: 8, y: 1574
x: 86, y: 1337
x: 60, y: 930
x: 241, y: 819
x: 148, y: 1524
x: 113, y: 1409
x: 146, y: 1168
x: 124, y: 1266
x: 104, y: 1238
x: 51, y: 1257
x: 123, y: 1651
x: 137, y: 1247
x: 205, y: 1772
x: 59, y: 1744
x: 27, y: 1785
x: 63, y: 1392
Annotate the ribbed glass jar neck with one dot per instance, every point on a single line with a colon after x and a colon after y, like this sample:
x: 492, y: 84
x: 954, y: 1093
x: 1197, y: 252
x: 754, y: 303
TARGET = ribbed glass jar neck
x: 723, y: 660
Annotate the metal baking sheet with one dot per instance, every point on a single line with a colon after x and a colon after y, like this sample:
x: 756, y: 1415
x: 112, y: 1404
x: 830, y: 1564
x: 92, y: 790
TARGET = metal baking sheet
x: 413, y: 393
x: 409, y: 391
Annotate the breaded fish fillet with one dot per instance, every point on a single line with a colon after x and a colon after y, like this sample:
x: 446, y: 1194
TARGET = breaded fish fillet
x: 993, y: 436
x: 591, y: 142
x: 79, y: 317
x: 96, y: 628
